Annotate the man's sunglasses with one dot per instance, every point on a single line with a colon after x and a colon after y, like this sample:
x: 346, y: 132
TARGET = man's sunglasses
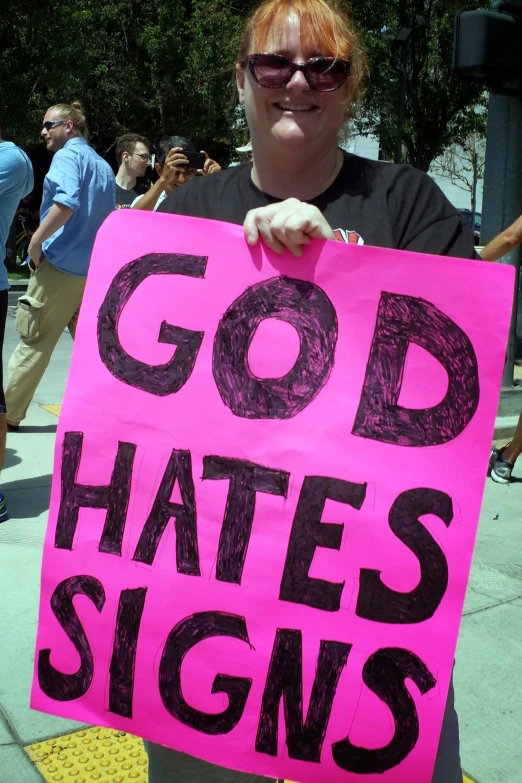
x: 143, y: 156
x: 51, y: 123
x: 324, y: 74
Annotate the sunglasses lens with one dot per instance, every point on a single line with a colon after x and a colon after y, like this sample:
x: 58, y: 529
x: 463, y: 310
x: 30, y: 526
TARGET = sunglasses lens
x: 272, y: 70
x: 326, y: 73
x: 51, y: 124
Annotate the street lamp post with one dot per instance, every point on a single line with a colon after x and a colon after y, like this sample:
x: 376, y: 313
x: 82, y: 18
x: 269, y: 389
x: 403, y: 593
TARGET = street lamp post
x: 473, y: 150
x: 401, y: 49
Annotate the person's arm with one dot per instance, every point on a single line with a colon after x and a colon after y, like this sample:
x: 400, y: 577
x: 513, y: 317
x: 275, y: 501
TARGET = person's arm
x: 504, y: 243
x: 149, y: 199
x: 57, y: 217
x: 63, y: 179
x: 16, y: 172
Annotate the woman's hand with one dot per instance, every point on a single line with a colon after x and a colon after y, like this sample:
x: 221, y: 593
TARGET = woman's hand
x: 286, y: 225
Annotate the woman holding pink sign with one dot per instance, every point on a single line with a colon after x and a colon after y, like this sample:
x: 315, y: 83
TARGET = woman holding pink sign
x: 300, y: 73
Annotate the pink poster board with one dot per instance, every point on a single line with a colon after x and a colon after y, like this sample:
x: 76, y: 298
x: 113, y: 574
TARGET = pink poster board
x: 267, y: 484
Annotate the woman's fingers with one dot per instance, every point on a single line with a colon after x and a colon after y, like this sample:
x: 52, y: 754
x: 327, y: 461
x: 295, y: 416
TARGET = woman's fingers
x: 287, y: 225
x: 290, y: 236
x: 267, y: 235
x: 250, y: 228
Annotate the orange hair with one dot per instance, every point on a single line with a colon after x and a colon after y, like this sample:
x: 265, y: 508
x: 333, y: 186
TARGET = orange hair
x: 325, y: 28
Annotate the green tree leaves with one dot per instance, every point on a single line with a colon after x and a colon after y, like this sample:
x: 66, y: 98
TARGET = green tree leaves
x: 166, y: 66
x: 440, y: 110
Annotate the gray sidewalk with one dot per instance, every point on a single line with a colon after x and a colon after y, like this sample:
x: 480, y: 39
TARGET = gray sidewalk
x: 26, y: 481
x: 489, y: 662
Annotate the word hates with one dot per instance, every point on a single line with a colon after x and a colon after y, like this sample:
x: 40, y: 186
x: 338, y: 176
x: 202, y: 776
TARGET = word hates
x: 376, y: 601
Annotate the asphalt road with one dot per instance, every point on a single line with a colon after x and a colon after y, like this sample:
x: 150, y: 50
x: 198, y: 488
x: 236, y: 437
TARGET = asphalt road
x: 13, y: 298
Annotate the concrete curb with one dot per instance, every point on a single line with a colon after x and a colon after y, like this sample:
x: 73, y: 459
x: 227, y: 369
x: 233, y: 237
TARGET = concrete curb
x: 18, y: 285
x: 510, y: 403
x: 505, y: 427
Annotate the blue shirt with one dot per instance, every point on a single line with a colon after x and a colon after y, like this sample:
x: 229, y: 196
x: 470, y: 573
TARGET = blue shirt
x: 84, y: 182
x: 16, y: 182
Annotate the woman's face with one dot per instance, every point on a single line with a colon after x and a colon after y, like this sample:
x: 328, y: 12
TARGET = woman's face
x: 294, y: 115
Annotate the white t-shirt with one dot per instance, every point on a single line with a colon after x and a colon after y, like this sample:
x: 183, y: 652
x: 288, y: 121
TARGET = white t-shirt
x: 158, y: 202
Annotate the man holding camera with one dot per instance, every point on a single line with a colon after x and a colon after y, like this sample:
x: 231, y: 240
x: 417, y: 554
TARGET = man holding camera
x: 177, y: 162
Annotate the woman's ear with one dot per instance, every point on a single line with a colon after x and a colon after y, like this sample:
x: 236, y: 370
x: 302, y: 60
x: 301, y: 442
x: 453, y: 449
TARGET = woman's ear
x: 240, y: 82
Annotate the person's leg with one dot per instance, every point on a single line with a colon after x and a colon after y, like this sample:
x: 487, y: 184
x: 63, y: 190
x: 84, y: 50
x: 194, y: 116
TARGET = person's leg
x: 171, y: 766
x: 514, y: 449
x: 43, y: 313
x: 3, y: 422
x: 74, y: 322
x: 447, y: 764
x: 502, y: 462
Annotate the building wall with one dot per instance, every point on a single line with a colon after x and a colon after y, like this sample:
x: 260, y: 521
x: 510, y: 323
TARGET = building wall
x: 365, y: 146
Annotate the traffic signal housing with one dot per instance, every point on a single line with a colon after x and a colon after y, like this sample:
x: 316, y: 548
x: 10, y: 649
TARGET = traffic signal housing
x: 487, y: 48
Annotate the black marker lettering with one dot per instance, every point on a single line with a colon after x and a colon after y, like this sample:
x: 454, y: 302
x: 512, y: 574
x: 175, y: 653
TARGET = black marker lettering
x: 56, y: 684
x: 285, y: 681
x: 381, y: 604
x: 309, y: 310
x: 181, y: 640
x: 178, y: 469
x: 114, y: 497
x: 121, y: 684
x: 162, y: 379
x: 402, y: 320
x: 246, y: 478
x: 384, y: 673
x: 308, y: 533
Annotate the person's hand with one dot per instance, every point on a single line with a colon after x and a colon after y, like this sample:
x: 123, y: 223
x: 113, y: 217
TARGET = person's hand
x: 210, y: 167
x: 287, y: 225
x: 35, y: 252
x: 175, y: 162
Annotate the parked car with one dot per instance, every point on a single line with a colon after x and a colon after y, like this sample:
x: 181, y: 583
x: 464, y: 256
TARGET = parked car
x: 467, y: 214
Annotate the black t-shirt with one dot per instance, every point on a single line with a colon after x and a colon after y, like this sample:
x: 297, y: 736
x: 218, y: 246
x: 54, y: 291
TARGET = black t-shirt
x: 124, y: 198
x: 369, y: 202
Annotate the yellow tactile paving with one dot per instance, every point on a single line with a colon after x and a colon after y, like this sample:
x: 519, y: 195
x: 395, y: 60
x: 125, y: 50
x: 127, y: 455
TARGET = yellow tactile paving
x: 99, y: 755
x: 54, y: 408
x: 91, y: 755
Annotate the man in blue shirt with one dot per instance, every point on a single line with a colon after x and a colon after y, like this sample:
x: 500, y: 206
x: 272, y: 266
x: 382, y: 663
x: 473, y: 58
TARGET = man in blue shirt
x: 16, y: 181
x: 79, y: 193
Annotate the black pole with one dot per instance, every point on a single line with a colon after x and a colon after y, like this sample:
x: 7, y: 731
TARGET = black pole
x: 474, y: 191
x: 402, y: 99
x: 503, y: 192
